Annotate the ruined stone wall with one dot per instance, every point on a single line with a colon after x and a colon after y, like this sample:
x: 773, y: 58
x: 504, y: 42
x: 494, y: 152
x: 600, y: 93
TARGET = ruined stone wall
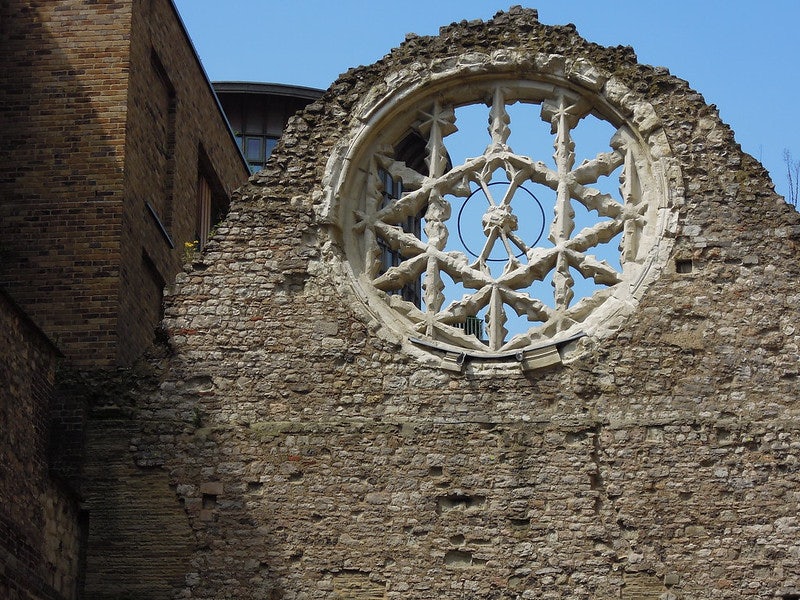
x: 39, y: 525
x: 315, y: 457
x: 139, y: 538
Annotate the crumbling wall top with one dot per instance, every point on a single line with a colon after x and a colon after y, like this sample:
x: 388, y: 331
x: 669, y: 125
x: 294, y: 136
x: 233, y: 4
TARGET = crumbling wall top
x: 335, y: 153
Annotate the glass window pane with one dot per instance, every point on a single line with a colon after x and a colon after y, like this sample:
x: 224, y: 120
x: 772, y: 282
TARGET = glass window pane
x: 271, y: 143
x: 253, y: 148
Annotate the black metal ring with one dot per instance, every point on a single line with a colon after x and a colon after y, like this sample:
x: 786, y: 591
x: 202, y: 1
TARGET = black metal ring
x: 468, y: 198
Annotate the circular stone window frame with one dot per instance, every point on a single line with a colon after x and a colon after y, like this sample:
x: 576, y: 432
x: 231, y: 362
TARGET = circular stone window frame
x: 384, y: 118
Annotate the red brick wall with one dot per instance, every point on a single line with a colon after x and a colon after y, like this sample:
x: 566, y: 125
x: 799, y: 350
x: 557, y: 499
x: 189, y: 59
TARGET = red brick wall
x: 85, y: 141
x: 39, y: 531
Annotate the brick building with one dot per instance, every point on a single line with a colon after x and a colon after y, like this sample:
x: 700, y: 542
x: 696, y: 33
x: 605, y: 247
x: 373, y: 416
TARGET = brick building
x: 115, y: 153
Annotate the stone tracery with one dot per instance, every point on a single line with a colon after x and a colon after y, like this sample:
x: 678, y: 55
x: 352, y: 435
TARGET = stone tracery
x: 431, y: 197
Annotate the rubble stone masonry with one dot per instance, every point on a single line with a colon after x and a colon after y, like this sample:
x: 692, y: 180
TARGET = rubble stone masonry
x: 39, y: 520
x: 290, y: 447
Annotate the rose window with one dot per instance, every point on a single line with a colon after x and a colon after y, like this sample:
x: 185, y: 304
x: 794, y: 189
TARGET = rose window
x: 493, y: 255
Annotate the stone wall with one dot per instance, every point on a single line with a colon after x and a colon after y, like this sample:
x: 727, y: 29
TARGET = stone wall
x: 39, y: 524
x: 315, y: 457
x: 130, y: 506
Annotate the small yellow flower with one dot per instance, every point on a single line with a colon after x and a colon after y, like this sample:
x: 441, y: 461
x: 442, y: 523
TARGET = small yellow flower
x: 189, y: 248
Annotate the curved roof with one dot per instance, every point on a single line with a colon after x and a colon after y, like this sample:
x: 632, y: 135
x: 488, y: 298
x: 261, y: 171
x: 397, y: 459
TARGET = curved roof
x: 272, y: 89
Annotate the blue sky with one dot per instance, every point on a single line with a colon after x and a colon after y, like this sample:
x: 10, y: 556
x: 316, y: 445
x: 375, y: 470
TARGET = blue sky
x: 742, y: 56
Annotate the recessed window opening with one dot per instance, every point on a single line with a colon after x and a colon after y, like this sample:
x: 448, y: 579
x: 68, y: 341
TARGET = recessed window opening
x: 163, y: 113
x: 258, y: 122
x: 684, y: 265
x: 155, y: 281
x: 212, y: 201
x: 257, y: 149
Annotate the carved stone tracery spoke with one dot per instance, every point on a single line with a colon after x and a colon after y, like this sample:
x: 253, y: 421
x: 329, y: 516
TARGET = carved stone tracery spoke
x: 427, y: 257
